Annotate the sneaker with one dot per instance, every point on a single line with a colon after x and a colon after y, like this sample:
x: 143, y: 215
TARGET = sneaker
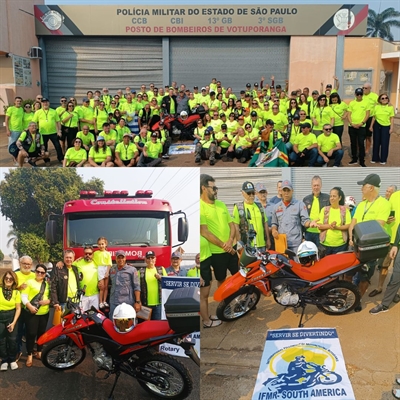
x: 373, y: 162
x: 382, y: 163
x: 14, y: 366
x: 362, y: 164
x: 197, y: 160
x: 105, y: 304
x: 212, y: 162
x: 378, y: 309
x: 353, y: 162
x: 243, y: 160
x: 101, y: 305
x: 4, y: 367
x: 165, y: 157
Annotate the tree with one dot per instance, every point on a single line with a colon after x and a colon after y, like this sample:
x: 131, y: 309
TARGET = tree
x: 12, y: 239
x: 379, y: 25
x: 1, y: 256
x: 30, y: 196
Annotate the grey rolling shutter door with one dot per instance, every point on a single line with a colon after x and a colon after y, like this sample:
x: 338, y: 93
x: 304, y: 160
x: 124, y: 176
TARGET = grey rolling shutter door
x: 346, y: 178
x: 78, y: 64
x: 230, y: 180
x: 232, y: 60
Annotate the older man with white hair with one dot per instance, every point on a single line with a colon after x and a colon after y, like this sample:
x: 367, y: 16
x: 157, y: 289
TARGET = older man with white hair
x: 371, y: 98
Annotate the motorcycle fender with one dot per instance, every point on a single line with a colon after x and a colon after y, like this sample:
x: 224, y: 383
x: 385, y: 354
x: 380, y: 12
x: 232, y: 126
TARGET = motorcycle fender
x: 51, y: 334
x: 230, y: 286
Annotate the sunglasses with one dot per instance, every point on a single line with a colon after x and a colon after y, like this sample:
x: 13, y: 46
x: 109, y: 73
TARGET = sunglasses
x: 88, y: 254
x: 275, y: 108
x: 275, y: 101
x: 254, y: 103
x: 302, y: 114
x: 327, y: 129
x: 39, y: 98
x: 251, y: 193
x: 70, y: 105
x: 30, y: 106
x: 263, y: 192
x: 78, y: 141
x: 366, y: 88
x: 384, y: 98
x: 40, y: 272
x: 7, y: 278
x: 63, y: 101
x: 151, y: 257
x: 214, y: 188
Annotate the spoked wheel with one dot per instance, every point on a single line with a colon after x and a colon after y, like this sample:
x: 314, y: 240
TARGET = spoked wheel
x: 62, y: 354
x: 339, y: 298
x: 329, y: 378
x: 239, y: 304
x: 169, y: 378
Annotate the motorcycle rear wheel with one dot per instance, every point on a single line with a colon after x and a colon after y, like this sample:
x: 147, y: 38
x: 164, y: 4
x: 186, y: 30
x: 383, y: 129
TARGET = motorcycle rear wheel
x: 176, y: 385
x: 344, y: 294
x: 239, y: 304
x: 54, y: 354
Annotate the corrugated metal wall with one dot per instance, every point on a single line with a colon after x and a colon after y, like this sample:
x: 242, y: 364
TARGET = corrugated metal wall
x: 230, y: 180
x: 78, y: 64
x: 233, y: 60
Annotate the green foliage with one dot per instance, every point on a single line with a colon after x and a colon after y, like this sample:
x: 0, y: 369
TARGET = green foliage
x: 33, y: 245
x: 379, y: 25
x: 1, y: 256
x: 30, y: 196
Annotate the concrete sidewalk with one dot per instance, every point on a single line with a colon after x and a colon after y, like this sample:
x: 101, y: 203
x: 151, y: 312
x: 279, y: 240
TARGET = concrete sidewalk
x: 231, y: 353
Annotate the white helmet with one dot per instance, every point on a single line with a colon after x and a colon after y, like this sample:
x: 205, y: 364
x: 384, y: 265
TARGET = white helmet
x: 124, y: 318
x: 183, y: 114
x: 307, y: 253
x: 350, y: 201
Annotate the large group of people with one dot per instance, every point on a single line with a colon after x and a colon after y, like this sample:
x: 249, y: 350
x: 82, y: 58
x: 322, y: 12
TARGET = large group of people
x: 119, y: 130
x: 30, y: 301
x: 325, y: 219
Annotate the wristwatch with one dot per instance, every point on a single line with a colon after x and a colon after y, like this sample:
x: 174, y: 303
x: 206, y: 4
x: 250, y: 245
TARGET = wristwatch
x: 137, y: 301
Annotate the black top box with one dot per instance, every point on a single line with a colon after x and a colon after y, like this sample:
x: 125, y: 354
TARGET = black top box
x: 370, y: 240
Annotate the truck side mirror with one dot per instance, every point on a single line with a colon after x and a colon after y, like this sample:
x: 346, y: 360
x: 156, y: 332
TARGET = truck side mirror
x: 51, y: 232
x: 183, y: 229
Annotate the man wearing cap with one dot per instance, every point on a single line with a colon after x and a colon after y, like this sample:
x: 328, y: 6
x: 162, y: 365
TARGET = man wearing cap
x: 304, y: 147
x: 175, y: 268
x: 289, y: 216
x: 314, y: 203
x: 240, y: 146
x: 215, y: 122
x: 217, y: 227
x: 223, y: 138
x: 312, y: 104
x: 106, y: 98
x: 169, y: 104
x: 110, y: 136
x: 372, y: 208
x: 128, y: 109
x: 250, y: 215
x: 261, y: 197
x: 372, y: 100
x: 125, y: 286
x: 295, y: 130
x: 49, y: 125
x: 152, y: 152
x: 358, y: 114
x: 182, y: 102
x: 207, y: 148
x: 150, y: 284
x: 213, y: 104
x: 269, y: 135
x: 126, y: 152
x: 329, y: 147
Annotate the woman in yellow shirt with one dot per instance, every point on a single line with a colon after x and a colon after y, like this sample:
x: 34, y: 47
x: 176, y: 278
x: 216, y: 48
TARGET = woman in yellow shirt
x: 333, y: 223
x: 36, y: 299
x: 75, y: 156
x: 10, y: 310
x: 381, y: 126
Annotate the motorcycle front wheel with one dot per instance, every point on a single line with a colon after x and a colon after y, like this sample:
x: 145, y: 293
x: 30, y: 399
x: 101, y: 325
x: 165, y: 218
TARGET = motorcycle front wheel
x: 170, y: 378
x: 239, y: 304
x: 339, y: 298
x: 61, y: 354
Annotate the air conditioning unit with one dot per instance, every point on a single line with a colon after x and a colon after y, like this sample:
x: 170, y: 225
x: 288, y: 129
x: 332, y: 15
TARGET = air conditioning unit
x: 35, y: 52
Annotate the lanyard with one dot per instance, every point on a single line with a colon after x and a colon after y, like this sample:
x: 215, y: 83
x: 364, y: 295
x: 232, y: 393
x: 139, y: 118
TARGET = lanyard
x: 367, y: 209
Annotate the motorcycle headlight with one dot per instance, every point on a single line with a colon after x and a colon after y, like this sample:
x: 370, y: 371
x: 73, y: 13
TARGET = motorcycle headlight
x: 244, y: 271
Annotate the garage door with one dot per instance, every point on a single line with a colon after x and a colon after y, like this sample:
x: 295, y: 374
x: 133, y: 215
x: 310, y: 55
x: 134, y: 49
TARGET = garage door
x: 233, y: 61
x: 78, y: 64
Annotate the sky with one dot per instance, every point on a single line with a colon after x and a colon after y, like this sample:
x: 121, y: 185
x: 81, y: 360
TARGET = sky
x: 376, y: 5
x: 180, y: 186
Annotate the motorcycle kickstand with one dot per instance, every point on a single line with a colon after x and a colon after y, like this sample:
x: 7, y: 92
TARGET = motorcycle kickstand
x: 110, y: 396
x: 303, y: 308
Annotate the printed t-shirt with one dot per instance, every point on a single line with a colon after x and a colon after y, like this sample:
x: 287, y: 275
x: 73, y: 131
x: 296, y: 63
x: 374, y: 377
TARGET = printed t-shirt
x: 8, y: 305
x: 99, y: 156
x: 314, y: 213
x: 102, y: 258
x: 75, y: 155
x: 72, y: 284
x: 152, y: 285
x: 328, y: 142
x: 16, y: 116
x: 126, y: 152
x: 334, y: 237
x: 32, y: 147
x: 89, y: 276
x: 338, y: 112
x: 153, y: 149
x: 358, y: 111
x: 383, y: 114
x: 304, y: 141
x: 32, y: 289
x: 47, y: 121
x: 86, y: 139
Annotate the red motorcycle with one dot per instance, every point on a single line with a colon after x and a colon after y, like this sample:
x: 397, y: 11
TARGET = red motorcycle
x: 134, y: 353
x: 291, y: 283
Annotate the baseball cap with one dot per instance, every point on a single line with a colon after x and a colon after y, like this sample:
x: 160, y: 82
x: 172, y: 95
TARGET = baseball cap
x: 371, y: 179
x: 296, y: 116
x: 210, y: 129
x: 248, y: 85
x: 212, y: 93
x: 176, y: 254
x: 224, y: 126
x: 203, y: 88
x: 222, y: 115
x: 150, y: 253
x: 358, y: 91
x: 254, y: 114
x: 133, y: 91
x: 315, y: 92
x: 206, y: 132
x: 269, y: 122
x: 84, y: 100
x: 260, y: 187
x: 248, y: 186
x: 195, y: 87
x: 154, y: 134
x: 329, y: 85
x: 256, y: 84
x: 306, y: 125
x: 120, y: 253
x: 126, y: 134
x: 46, y: 99
x: 100, y: 138
x: 287, y: 184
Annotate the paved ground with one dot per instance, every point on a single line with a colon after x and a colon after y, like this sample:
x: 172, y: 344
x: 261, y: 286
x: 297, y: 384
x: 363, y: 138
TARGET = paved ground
x: 187, y: 160
x: 231, y: 353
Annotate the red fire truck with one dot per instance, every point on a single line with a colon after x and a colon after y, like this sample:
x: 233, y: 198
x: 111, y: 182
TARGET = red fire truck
x: 135, y: 224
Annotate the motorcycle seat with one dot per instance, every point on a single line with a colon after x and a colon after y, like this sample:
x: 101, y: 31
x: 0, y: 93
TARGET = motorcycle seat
x: 141, y: 332
x: 326, y: 266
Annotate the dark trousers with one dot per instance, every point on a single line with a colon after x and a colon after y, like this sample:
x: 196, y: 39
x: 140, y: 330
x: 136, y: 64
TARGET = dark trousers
x: 337, y: 156
x: 35, y: 327
x: 334, y: 250
x: 339, y: 131
x: 156, y: 313
x: 71, y: 135
x: 310, y: 155
x: 8, y: 340
x: 21, y: 330
x: 312, y: 237
x: 148, y: 161
x: 239, y: 153
x: 381, y: 139
x: 56, y: 143
x: 357, y: 143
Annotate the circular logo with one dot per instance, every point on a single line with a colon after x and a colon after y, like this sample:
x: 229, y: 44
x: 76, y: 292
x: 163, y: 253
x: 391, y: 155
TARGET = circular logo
x: 53, y: 20
x: 343, y: 20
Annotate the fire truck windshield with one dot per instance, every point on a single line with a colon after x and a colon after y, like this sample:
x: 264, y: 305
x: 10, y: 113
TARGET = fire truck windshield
x: 120, y: 229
